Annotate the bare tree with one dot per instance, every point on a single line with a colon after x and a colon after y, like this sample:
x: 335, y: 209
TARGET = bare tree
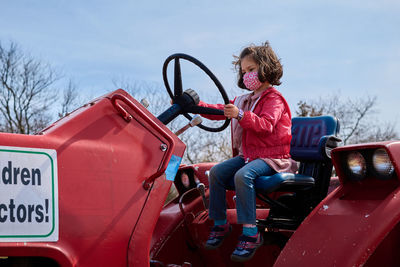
x: 385, y: 132
x: 356, y: 116
x: 152, y: 92
x: 69, y: 100
x: 206, y: 146
x: 25, y: 91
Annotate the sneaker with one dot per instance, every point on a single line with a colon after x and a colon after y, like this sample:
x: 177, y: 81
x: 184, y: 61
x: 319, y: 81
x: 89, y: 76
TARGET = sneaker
x: 247, y: 247
x: 217, y: 236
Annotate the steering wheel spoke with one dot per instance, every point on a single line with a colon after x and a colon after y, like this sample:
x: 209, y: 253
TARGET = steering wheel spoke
x: 204, y: 110
x: 177, y: 78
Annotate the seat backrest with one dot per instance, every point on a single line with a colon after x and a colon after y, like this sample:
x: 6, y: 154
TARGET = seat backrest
x: 307, y: 133
x: 310, y: 137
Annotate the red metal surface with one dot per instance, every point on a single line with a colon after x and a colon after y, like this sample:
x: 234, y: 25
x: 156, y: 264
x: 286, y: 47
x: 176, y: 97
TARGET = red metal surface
x: 348, y: 222
x: 102, y: 163
x: 153, y: 123
x: 356, y: 225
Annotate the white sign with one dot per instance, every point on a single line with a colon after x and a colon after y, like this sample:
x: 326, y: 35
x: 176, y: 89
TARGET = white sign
x: 28, y: 194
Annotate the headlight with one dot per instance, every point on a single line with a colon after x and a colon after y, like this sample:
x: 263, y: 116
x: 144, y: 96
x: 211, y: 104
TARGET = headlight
x: 357, y: 165
x: 382, y: 164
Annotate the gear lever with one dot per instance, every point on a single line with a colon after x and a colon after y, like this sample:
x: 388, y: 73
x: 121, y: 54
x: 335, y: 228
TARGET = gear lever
x: 195, y: 121
x: 202, y: 191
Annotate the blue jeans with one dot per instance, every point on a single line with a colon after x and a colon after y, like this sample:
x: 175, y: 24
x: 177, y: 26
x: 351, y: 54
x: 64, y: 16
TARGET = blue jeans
x: 243, y: 174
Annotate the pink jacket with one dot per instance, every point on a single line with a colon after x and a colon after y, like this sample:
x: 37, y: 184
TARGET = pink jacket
x: 266, y: 129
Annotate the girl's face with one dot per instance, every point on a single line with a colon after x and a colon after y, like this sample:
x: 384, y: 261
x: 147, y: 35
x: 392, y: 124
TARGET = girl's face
x: 248, y: 65
x: 250, y: 75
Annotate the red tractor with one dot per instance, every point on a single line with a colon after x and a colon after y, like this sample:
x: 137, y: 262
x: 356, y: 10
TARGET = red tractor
x: 93, y: 189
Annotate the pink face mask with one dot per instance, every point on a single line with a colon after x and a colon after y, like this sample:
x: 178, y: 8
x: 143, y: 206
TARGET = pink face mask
x: 251, y: 81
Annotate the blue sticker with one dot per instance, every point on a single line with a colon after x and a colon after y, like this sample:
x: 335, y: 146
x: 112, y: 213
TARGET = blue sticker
x: 173, y: 167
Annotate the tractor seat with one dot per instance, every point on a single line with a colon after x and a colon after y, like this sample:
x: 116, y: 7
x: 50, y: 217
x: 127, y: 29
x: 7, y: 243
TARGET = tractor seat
x: 313, y: 138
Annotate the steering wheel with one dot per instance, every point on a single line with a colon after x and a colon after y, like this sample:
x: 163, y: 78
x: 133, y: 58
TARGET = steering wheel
x: 179, y: 93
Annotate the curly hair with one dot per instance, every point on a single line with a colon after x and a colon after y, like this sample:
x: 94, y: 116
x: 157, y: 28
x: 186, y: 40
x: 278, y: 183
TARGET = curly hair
x: 269, y: 65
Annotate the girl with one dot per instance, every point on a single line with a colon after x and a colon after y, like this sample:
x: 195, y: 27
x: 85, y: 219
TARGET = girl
x: 261, y: 134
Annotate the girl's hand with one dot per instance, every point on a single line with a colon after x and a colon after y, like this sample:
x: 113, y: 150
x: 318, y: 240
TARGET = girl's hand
x: 231, y: 111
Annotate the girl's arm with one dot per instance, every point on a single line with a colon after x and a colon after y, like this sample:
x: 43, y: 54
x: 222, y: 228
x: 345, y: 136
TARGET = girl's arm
x: 271, y: 113
x: 216, y: 106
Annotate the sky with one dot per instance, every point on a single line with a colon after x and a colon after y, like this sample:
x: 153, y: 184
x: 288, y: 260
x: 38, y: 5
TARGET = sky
x: 342, y: 46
